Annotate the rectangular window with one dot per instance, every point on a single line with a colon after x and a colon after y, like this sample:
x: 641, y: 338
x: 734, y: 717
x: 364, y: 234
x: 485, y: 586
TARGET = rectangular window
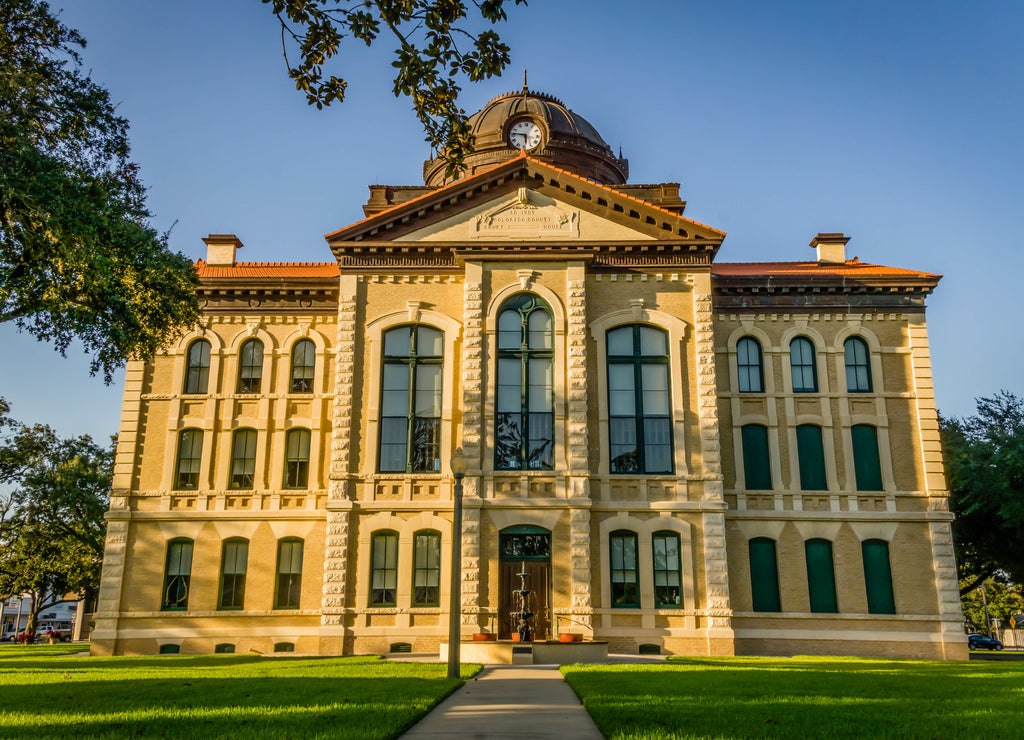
x: 177, y: 574
x: 384, y: 575
x: 821, y: 576
x: 811, y: 454
x: 190, y: 454
x: 243, y: 459
x: 624, y: 570
x: 764, y: 575
x: 878, y: 577
x: 296, y: 464
x: 232, y: 574
x: 426, y: 569
x: 668, y: 591
x: 289, y: 574
x: 866, y: 465
x: 757, y: 471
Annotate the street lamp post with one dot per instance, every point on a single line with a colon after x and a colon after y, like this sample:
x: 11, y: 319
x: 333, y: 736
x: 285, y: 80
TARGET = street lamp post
x: 458, y: 465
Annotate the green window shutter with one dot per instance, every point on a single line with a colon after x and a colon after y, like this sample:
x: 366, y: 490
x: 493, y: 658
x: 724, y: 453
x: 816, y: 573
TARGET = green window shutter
x: 764, y: 575
x: 757, y: 471
x: 866, y: 464
x: 878, y: 577
x: 821, y: 576
x: 812, y: 458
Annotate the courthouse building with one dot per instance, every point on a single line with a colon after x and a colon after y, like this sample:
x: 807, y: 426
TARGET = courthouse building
x: 686, y: 454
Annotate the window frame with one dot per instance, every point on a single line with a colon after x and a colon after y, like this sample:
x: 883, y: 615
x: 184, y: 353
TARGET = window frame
x: 811, y: 462
x: 294, y: 578
x: 659, y: 602
x: 867, y: 458
x: 253, y: 382
x: 765, y: 595
x: 756, y: 474
x: 237, y: 578
x: 197, y: 461
x: 624, y: 535
x: 638, y: 361
x: 747, y: 366
x: 821, y: 576
x: 165, y: 603
x: 803, y: 365
x: 413, y: 360
x: 197, y: 369
x: 861, y: 366
x: 291, y: 482
x: 306, y: 383
x: 386, y: 536
x: 878, y: 585
x: 234, y: 483
x: 417, y: 568
x: 525, y: 304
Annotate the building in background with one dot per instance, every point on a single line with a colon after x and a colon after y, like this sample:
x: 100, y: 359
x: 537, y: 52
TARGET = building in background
x: 701, y: 456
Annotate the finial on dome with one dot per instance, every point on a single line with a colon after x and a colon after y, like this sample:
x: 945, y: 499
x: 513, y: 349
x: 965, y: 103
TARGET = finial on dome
x: 525, y: 88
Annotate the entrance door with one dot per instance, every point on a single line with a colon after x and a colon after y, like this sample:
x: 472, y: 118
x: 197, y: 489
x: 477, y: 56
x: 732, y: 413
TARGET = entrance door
x: 530, y: 546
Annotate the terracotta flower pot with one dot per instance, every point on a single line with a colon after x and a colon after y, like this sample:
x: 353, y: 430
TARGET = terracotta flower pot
x: 570, y: 637
x: 484, y: 637
x: 515, y: 637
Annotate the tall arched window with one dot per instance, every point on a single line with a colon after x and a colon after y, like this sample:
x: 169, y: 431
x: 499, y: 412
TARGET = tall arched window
x: 668, y: 582
x: 197, y: 367
x: 303, y: 366
x: 410, y: 416
x: 243, y: 459
x: 190, y: 454
x: 821, y: 576
x: 296, y: 460
x: 749, y: 365
x: 878, y: 577
x: 250, y: 366
x: 234, y: 563
x: 624, y: 569
x: 426, y: 568
x: 524, y: 436
x: 639, y: 406
x: 858, y: 365
x: 804, y: 367
x: 177, y: 574
x: 383, y: 568
x: 764, y: 575
x: 288, y: 589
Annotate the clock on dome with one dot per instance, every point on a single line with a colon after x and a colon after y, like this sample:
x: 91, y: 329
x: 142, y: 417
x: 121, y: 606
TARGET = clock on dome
x: 524, y: 135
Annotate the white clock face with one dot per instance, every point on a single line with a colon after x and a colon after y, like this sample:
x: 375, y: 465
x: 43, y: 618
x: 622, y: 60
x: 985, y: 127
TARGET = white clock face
x: 524, y: 135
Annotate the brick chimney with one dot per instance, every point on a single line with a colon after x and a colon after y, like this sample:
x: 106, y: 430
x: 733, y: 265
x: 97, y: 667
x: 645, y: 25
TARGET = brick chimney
x: 220, y: 249
x: 831, y: 248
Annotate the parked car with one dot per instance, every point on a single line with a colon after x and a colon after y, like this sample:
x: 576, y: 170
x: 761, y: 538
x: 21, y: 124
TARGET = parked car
x: 9, y: 635
x: 983, y: 642
x: 60, y: 635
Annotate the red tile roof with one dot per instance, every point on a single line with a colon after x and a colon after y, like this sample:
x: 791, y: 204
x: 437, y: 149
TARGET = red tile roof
x: 851, y: 269
x: 269, y: 270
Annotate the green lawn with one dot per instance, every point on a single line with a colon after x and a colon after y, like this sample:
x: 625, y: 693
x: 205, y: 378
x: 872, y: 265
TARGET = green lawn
x: 45, y: 695
x: 803, y: 698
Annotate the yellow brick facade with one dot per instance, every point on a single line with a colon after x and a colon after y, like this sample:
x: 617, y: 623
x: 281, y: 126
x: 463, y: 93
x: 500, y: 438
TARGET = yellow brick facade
x: 451, y: 259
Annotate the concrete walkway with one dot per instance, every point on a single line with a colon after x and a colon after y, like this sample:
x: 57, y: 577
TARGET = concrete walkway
x: 513, y: 702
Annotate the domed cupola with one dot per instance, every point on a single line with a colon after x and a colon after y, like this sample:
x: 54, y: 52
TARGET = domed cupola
x: 546, y: 129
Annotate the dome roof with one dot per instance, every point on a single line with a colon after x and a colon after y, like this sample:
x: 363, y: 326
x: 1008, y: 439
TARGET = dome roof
x: 568, y: 140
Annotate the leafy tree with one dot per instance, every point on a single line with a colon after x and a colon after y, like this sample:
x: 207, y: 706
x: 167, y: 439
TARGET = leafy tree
x: 1003, y: 600
x: 51, y: 520
x: 436, y: 46
x: 78, y: 258
x: 984, y: 457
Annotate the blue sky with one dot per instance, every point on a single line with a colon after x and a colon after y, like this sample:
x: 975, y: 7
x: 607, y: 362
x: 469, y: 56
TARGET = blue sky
x: 897, y: 123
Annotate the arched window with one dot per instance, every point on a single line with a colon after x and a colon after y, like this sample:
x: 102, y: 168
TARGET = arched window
x: 384, y: 568
x: 177, y: 574
x: 668, y: 582
x: 749, y: 365
x: 233, y: 565
x: 878, y: 577
x: 858, y: 365
x: 811, y: 454
x: 296, y: 458
x: 757, y: 467
x: 805, y: 369
x: 639, y: 407
x: 624, y: 570
x: 426, y: 568
x: 250, y: 366
x: 190, y: 455
x: 525, y: 421
x: 821, y: 576
x: 867, y: 466
x: 288, y: 590
x: 410, y: 416
x: 303, y: 366
x: 764, y: 575
x: 243, y: 459
x: 197, y: 366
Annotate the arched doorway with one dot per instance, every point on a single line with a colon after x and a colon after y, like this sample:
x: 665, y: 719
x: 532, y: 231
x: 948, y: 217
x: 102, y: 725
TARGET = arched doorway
x: 529, y: 545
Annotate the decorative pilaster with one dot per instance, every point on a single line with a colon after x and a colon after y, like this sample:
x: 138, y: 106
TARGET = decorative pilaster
x: 335, y: 569
x: 108, y: 602
x: 579, y: 554
x: 576, y: 392
x: 472, y: 366
x: 470, y: 567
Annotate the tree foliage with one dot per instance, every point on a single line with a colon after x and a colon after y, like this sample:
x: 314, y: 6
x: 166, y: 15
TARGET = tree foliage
x: 78, y: 258
x: 51, y: 518
x: 984, y: 457
x: 1002, y: 598
x: 437, y: 46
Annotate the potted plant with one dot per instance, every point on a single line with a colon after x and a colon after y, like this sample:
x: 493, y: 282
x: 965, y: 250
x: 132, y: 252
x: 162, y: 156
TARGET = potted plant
x: 484, y: 637
x: 570, y: 637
